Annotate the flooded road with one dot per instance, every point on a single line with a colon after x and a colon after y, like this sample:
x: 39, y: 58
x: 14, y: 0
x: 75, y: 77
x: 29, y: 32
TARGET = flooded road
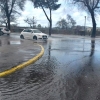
x: 67, y: 71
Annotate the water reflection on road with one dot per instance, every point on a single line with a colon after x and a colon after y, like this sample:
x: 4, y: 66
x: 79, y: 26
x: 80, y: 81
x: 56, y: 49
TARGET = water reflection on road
x: 65, y: 72
x: 7, y: 41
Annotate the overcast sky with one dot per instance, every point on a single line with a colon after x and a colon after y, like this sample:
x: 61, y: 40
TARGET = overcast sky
x: 77, y: 15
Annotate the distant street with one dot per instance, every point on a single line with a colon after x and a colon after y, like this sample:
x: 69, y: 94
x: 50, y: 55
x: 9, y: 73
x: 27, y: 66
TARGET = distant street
x: 68, y: 70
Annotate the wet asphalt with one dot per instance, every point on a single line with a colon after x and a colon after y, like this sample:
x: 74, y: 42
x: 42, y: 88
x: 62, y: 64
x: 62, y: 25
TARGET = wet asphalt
x: 68, y: 70
x: 14, y: 51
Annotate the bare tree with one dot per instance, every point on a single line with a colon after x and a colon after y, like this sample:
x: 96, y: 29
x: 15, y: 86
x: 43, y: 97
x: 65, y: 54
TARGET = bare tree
x: 73, y: 22
x: 3, y: 19
x: 51, y: 5
x: 31, y: 22
x: 90, y: 6
x: 9, y: 7
x: 70, y: 21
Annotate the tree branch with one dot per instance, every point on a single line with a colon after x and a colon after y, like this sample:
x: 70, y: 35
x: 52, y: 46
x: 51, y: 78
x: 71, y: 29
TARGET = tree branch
x: 82, y: 2
x: 45, y: 13
x: 12, y: 5
x: 48, y: 5
x: 96, y: 5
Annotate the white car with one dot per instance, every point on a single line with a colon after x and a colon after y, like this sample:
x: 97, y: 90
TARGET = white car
x: 4, y: 30
x: 33, y: 34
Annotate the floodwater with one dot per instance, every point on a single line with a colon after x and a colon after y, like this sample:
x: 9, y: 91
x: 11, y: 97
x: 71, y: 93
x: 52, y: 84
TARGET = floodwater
x: 68, y: 70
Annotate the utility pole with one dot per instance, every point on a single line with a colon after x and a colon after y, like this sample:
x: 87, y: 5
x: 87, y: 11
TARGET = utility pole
x: 85, y: 26
x: 84, y: 32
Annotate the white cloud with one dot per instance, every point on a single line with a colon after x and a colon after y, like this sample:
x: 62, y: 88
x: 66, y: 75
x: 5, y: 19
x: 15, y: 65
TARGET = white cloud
x: 62, y: 12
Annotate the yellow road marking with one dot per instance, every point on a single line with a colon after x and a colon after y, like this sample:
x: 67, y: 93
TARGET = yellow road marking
x: 33, y: 60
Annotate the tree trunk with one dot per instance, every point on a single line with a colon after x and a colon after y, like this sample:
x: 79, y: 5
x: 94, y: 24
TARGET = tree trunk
x: 92, y: 47
x: 50, y: 21
x: 94, y: 25
x: 6, y: 25
x: 50, y: 27
x: 8, y: 22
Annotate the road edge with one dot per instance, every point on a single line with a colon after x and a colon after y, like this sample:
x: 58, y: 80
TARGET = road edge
x: 24, y: 64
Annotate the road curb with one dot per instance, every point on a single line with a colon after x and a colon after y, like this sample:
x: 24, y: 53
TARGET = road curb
x: 33, y: 60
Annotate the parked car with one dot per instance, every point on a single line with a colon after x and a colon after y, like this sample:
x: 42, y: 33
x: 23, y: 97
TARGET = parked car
x: 4, y: 30
x: 33, y: 34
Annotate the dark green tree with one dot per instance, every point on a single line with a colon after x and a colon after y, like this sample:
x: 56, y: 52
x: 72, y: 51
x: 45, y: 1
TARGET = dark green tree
x: 11, y: 7
x: 48, y: 4
x: 62, y: 24
x: 39, y: 26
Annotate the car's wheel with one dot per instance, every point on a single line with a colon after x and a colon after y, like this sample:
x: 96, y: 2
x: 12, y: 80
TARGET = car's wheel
x: 21, y: 36
x: 35, y: 37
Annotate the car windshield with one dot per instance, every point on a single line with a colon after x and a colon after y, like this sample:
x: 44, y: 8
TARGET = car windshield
x: 37, y: 31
